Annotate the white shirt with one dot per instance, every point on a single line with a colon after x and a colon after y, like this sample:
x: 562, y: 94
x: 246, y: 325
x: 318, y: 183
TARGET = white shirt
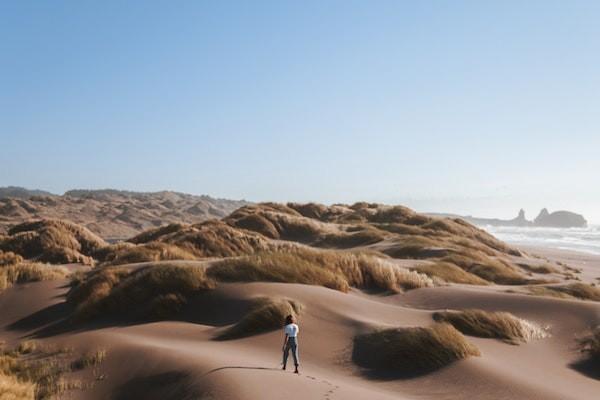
x: 291, y: 330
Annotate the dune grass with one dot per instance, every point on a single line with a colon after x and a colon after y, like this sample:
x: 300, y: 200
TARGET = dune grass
x: 276, y: 267
x: 590, y: 344
x: 154, y: 291
x: 54, y: 241
x: 9, y: 258
x: 411, y: 351
x: 127, y: 253
x: 14, y: 270
x: 13, y: 388
x: 34, y: 372
x: 539, y: 269
x: 346, y: 240
x: 331, y: 269
x: 276, y: 221
x: 488, y: 268
x: 449, y: 273
x: 89, y: 359
x: 497, y: 325
x: 267, y: 314
x: 577, y: 290
x: 212, y: 238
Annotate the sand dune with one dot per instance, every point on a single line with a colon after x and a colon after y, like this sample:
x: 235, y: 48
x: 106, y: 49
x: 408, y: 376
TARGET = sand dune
x: 180, y: 356
x: 111, y: 214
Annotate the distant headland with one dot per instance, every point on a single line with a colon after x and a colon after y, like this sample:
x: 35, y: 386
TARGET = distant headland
x: 556, y: 219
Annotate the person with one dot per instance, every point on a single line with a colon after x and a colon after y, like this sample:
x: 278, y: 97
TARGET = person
x: 290, y: 341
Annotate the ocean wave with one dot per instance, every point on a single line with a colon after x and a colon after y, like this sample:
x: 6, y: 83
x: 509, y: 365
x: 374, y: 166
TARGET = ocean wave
x: 579, y: 239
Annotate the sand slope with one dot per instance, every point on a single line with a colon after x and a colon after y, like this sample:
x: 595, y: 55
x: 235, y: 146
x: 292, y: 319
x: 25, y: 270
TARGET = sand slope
x: 180, y: 359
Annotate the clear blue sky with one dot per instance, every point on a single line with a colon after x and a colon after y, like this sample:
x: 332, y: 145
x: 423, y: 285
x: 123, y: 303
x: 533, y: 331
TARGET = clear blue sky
x: 468, y: 106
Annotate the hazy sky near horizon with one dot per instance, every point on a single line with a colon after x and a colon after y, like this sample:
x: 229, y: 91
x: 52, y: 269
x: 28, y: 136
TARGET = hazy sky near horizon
x: 479, y: 107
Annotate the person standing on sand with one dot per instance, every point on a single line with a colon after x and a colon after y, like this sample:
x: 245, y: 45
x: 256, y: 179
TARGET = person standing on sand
x: 290, y: 342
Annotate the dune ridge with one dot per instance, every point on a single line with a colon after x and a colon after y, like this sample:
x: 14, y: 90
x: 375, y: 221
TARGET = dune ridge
x: 194, y: 310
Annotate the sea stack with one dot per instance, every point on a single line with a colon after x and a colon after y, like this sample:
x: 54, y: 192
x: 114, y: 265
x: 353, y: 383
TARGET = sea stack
x: 559, y: 219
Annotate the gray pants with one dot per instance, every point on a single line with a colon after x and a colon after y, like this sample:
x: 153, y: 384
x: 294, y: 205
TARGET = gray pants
x: 292, y: 344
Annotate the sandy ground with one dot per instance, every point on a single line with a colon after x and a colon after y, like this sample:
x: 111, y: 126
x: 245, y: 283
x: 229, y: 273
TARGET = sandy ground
x: 181, y: 359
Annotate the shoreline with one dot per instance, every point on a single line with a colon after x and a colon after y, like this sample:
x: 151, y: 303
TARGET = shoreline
x: 588, y: 263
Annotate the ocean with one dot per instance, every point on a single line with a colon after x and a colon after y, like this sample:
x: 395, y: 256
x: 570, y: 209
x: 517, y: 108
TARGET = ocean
x: 579, y: 239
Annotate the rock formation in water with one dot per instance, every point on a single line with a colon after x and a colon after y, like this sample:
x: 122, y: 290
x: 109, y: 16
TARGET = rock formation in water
x: 560, y: 219
x: 557, y: 219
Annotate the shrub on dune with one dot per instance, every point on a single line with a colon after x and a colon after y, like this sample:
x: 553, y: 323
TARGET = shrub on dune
x: 277, y: 221
x: 147, y: 292
x: 54, y: 241
x: 590, y: 344
x: 32, y: 371
x: 9, y: 258
x: 411, y: 350
x: 276, y: 267
x: 449, y: 273
x: 11, y: 387
x: 151, y: 235
x: 331, y: 269
x: 13, y: 270
x: 578, y: 290
x: 345, y: 240
x: 211, y: 238
x: 539, y: 269
x: 488, y: 268
x: 266, y: 315
x: 153, y: 251
x: 498, y: 325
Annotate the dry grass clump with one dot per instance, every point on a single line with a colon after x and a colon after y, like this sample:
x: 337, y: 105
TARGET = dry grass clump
x: 123, y: 253
x: 411, y: 351
x: 209, y: 239
x: 407, y: 234
x: 23, y: 272
x: 267, y: 314
x: 488, y: 268
x: 449, y: 273
x: 143, y: 293
x: 283, y: 267
x: 9, y: 258
x: 498, y: 325
x: 13, y: 388
x: 539, y: 269
x: 156, y: 233
x: 590, y: 344
x: 34, y: 373
x: 346, y: 240
x: 89, y: 359
x: 577, y: 290
x: 332, y: 269
x: 311, y: 210
x: 54, y: 241
x: 277, y: 222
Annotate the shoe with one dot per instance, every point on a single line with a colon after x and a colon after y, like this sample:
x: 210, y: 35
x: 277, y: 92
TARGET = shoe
x: 283, y: 368
x: 296, y: 371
